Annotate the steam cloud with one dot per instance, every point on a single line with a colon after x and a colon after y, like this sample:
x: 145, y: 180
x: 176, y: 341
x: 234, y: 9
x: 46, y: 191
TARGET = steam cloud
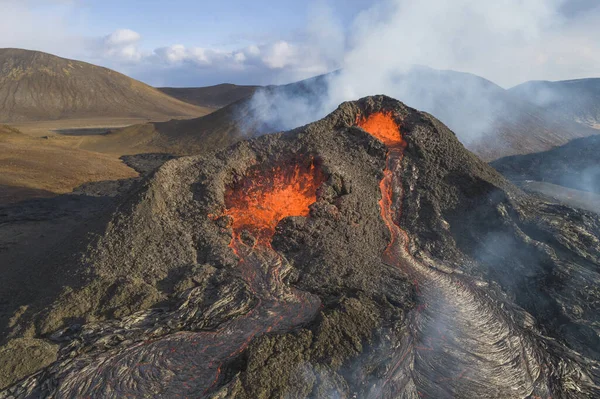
x: 508, y: 41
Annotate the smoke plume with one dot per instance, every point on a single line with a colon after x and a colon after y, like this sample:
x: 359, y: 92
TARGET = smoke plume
x: 410, y: 50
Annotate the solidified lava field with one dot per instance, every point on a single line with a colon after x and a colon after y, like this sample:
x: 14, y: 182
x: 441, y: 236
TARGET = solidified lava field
x: 366, y: 255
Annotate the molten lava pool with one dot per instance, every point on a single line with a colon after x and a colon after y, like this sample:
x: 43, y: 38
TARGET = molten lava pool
x: 261, y: 199
x: 382, y: 126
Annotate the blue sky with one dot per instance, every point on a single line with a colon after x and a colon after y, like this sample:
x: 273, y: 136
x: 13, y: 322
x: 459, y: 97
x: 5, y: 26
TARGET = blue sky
x: 194, y: 43
x: 209, y: 23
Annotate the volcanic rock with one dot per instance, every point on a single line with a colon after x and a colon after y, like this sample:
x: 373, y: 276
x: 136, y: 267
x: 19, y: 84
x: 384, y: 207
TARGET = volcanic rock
x: 573, y: 165
x: 365, y: 255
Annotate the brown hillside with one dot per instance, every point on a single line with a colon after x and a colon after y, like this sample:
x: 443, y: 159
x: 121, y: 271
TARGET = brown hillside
x: 212, y: 96
x: 40, y: 86
x: 181, y: 137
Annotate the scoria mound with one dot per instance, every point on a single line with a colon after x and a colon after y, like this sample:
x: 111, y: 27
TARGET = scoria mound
x: 366, y: 255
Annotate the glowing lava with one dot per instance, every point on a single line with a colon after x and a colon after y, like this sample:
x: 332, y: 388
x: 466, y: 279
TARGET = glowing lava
x: 260, y: 200
x: 382, y: 126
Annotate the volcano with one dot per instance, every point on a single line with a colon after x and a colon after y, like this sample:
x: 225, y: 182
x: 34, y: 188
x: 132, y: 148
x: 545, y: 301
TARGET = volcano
x: 365, y: 255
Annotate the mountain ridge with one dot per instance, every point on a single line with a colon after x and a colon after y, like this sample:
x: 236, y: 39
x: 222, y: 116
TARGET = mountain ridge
x: 574, y: 99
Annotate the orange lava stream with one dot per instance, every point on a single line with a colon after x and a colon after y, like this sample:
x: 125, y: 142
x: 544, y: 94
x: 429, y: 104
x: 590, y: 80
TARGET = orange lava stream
x: 261, y: 200
x: 382, y: 126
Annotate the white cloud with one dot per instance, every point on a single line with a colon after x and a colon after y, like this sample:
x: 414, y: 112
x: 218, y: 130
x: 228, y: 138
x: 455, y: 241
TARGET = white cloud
x: 173, y: 53
x: 264, y: 63
x: 239, y: 57
x: 275, y: 56
x: 122, y: 37
x: 122, y: 45
x: 253, y: 50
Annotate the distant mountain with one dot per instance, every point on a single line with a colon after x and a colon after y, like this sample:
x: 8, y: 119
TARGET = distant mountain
x: 575, y: 165
x: 577, y: 100
x: 488, y: 120
x: 212, y: 96
x: 40, y: 86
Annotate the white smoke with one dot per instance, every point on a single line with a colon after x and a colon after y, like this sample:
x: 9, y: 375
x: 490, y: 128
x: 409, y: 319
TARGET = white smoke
x: 507, y: 40
x: 463, y: 35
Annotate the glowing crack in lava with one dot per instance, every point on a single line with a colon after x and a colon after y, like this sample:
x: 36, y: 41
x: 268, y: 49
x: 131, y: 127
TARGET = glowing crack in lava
x: 460, y: 340
x: 261, y: 199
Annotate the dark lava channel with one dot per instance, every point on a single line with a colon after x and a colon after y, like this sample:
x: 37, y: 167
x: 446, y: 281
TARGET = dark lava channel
x: 461, y: 341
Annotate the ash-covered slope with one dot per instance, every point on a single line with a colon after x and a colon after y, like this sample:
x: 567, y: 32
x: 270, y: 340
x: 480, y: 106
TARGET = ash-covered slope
x: 577, y: 100
x: 333, y: 260
x: 39, y: 86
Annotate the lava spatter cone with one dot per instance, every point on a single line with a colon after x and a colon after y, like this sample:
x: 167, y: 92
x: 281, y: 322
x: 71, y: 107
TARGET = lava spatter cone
x: 365, y: 255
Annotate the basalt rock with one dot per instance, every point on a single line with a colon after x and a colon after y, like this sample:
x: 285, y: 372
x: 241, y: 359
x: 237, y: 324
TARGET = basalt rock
x: 396, y: 267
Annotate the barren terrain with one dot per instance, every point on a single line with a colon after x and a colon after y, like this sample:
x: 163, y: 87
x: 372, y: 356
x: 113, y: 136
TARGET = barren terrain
x: 38, y: 167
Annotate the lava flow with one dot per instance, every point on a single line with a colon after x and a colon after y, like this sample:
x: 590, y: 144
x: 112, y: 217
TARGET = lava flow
x: 257, y: 203
x: 460, y: 341
x: 383, y: 126
x: 190, y: 364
